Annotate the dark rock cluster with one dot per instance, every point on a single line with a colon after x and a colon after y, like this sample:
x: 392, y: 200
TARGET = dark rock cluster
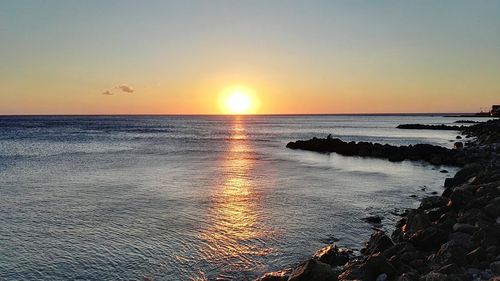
x: 455, y: 236
x: 430, y: 127
x: 420, y: 152
x: 466, y: 122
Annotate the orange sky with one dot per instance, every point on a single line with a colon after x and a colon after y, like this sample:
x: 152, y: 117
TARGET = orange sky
x: 171, y: 57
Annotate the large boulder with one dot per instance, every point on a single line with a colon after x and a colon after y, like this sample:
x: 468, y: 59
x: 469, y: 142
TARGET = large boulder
x: 378, y: 242
x: 369, y: 269
x: 415, y: 221
x: 332, y: 255
x: 313, y: 270
x: 450, y: 252
x: 493, y: 208
x: 430, y: 238
x: 464, y: 174
x: 433, y: 202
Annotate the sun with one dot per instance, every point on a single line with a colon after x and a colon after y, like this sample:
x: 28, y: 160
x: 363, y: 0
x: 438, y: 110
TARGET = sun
x: 238, y: 100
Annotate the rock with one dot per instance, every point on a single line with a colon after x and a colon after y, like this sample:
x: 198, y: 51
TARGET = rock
x: 403, y: 253
x: 373, y: 219
x: 464, y: 227
x: 313, y: 270
x: 416, y: 221
x: 464, y: 174
x: 274, y: 276
x: 495, y: 267
x: 433, y: 202
x: 381, y: 277
x: 424, y: 152
x: 429, y: 127
x: 397, y: 156
x: 450, y: 252
x: 459, y: 138
x: 372, y: 267
x: 472, y: 216
x: 458, y: 145
x: 434, y: 276
x: 378, y: 242
x: 463, y: 239
x: 429, y: 238
x: 408, y: 276
x: 444, y: 171
x: 487, y: 235
x: 493, y: 208
x: 460, y: 197
x: 450, y: 268
x: 332, y: 255
x: 476, y: 255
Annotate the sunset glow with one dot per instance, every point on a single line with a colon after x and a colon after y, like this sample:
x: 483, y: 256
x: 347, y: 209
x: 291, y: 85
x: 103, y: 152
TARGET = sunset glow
x: 238, y: 102
x: 176, y: 57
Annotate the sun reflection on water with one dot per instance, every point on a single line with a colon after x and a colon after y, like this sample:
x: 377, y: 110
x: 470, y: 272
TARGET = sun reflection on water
x: 235, y: 231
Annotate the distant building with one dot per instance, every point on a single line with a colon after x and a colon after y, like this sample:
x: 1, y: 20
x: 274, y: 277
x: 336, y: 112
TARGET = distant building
x: 495, y: 110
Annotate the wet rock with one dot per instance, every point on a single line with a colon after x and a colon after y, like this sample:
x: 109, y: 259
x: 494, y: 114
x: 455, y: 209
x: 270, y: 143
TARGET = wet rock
x: 458, y: 145
x: 433, y: 202
x: 458, y: 137
x: 274, y: 276
x: 373, y: 219
x: 444, y: 171
x: 378, y: 242
x: 332, y: 255
x: 313, y: 270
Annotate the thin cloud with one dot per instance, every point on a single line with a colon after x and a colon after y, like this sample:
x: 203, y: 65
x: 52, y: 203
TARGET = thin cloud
x: 125, y: 88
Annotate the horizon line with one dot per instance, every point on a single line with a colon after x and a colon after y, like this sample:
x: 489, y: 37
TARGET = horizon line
x: 256, y: 114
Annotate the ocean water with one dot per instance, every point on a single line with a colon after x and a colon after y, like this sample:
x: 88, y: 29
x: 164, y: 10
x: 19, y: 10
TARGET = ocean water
x: 194, y: 197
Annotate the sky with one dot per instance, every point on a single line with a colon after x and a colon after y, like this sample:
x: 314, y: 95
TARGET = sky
x: 296, y: 57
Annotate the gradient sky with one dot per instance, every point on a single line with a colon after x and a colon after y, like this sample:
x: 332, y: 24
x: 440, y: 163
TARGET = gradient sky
x: 176, y: 57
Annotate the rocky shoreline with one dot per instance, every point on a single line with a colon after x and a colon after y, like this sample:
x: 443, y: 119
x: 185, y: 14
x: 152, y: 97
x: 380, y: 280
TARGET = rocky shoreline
x: 455, y: 236
x: 430, y: 127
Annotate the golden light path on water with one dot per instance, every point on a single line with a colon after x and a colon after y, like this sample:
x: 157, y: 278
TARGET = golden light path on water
x: 235, y: 231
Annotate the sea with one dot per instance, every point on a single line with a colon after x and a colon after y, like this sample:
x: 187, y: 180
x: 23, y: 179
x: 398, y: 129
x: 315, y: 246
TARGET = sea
x: 196, y: 197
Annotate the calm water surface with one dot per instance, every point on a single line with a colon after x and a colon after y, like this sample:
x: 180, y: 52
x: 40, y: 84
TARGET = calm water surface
x: 179, y: 198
